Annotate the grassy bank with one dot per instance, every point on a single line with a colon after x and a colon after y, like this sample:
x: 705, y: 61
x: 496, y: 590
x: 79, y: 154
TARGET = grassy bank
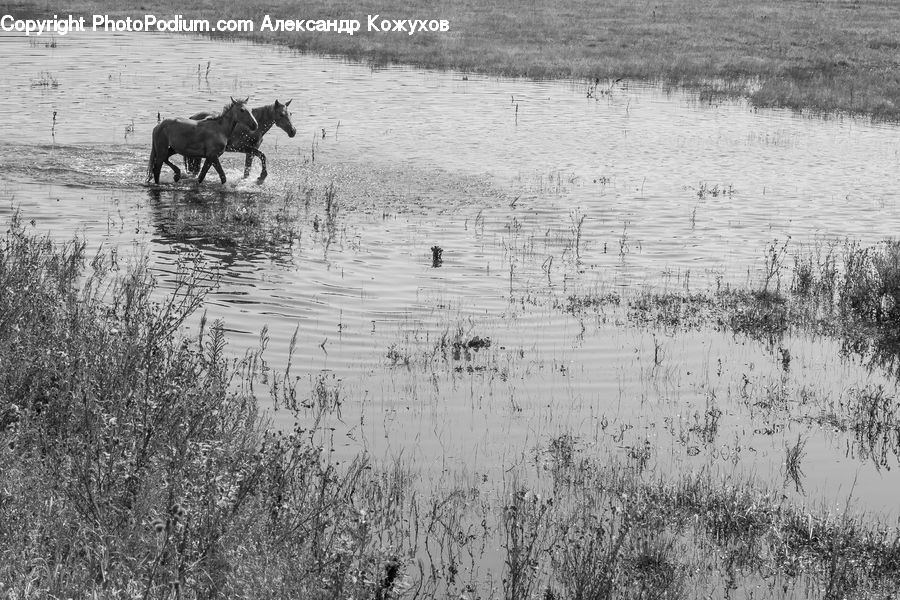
x: 822, y: 56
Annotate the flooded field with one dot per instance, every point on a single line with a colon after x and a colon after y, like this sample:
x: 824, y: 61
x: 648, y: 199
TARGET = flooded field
x: 539, y: 195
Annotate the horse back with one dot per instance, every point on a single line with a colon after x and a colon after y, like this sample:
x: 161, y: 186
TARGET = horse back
x: 241, y: 138
x: 191, y: 137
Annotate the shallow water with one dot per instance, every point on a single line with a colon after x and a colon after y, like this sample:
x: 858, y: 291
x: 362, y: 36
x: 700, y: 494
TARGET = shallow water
x: 674, y: 193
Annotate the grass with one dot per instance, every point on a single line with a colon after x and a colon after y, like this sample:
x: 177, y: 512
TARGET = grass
x: 824, y: 56
x: 136, y: 463
x: 870, y: 415
x: 45, y: 80
x: 849, y: 291
x: 793, y: 456
x: 605, y: 532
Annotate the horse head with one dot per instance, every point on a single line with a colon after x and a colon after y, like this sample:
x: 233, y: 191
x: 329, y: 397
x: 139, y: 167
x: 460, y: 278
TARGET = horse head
x: 283, y: 118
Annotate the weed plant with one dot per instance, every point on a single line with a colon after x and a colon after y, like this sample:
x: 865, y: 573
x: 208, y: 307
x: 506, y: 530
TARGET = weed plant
x: 136, y: 463
x: 849, y: 291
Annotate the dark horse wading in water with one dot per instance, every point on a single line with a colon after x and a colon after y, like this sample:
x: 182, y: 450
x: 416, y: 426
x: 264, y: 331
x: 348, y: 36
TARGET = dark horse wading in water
x: 247, y: 140
x: 201, y: 139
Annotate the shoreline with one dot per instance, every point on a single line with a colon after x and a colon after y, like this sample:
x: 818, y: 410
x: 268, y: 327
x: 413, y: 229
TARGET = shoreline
x: 827, y: 60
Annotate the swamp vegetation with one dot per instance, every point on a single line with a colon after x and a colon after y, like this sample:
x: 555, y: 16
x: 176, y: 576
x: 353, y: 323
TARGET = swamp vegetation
x: 137, y: 461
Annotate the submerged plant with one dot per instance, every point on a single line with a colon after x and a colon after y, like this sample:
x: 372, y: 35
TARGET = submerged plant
x: 793, y: 456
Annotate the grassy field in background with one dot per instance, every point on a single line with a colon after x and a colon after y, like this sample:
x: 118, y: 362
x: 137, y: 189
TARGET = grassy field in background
x: 824, y: 56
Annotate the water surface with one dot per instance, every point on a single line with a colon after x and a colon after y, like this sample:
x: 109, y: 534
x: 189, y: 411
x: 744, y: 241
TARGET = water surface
x: 534, y: 191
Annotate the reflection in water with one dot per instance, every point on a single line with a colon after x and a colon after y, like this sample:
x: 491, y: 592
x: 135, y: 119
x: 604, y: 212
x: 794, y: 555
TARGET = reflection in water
x: 234, y: 227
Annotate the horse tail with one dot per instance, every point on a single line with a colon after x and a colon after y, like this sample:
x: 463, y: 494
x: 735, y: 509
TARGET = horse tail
x: 152, y: 160
x: 158, y: 150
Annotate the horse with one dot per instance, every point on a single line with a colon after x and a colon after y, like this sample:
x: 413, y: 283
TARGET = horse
x: 248, y: 141
x: 202, y: 139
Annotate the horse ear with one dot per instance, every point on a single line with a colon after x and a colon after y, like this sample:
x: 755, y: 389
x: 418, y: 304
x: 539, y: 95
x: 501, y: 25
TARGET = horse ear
x: 245, y: 100
x: 277, y: 103
x: 288, y: 103
x: 232, y: 100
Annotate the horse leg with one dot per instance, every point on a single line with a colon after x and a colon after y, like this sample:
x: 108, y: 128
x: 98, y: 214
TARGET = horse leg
x: 248, y: 162
x: 157, y: 167
x: 174, y: 168
x: 262, y: 158
x: 203, y: 171
x: 219, y: 169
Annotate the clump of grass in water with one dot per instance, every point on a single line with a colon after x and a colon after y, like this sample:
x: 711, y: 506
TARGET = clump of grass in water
x: 460, y: 343
x: 871, y: 415
x: 526, y: 525
x: 45, y: 80
x: 437, y: 256
x: 594, y: 91
x: 853, y: 295
x: 616, y: 530
x: 329, y: 224
x: 577, y: 221
x: 704, y: 190
x: 793, y: 456
x: 331, y: 209
x: 775, y: 258
x: 858, y: 296
x: 398, y: 356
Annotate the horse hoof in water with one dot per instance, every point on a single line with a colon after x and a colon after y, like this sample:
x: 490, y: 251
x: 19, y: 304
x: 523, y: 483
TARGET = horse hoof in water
x: 177, y: 177
x: 261, y: 178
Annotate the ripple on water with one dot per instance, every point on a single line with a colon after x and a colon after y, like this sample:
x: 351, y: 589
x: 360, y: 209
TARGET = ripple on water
x: 673, y: 193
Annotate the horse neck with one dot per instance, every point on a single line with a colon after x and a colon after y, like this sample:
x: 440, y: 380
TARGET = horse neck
x: 265, y: 118
x: 229, y: 122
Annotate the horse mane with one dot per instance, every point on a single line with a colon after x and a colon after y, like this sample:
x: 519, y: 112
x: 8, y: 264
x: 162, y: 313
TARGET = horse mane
x: 224, y: 110
x: 268, y: 109
x: 230, y: 104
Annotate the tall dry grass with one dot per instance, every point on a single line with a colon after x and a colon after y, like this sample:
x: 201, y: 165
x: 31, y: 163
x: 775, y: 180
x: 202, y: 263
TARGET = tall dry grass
x: 135, y: 463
